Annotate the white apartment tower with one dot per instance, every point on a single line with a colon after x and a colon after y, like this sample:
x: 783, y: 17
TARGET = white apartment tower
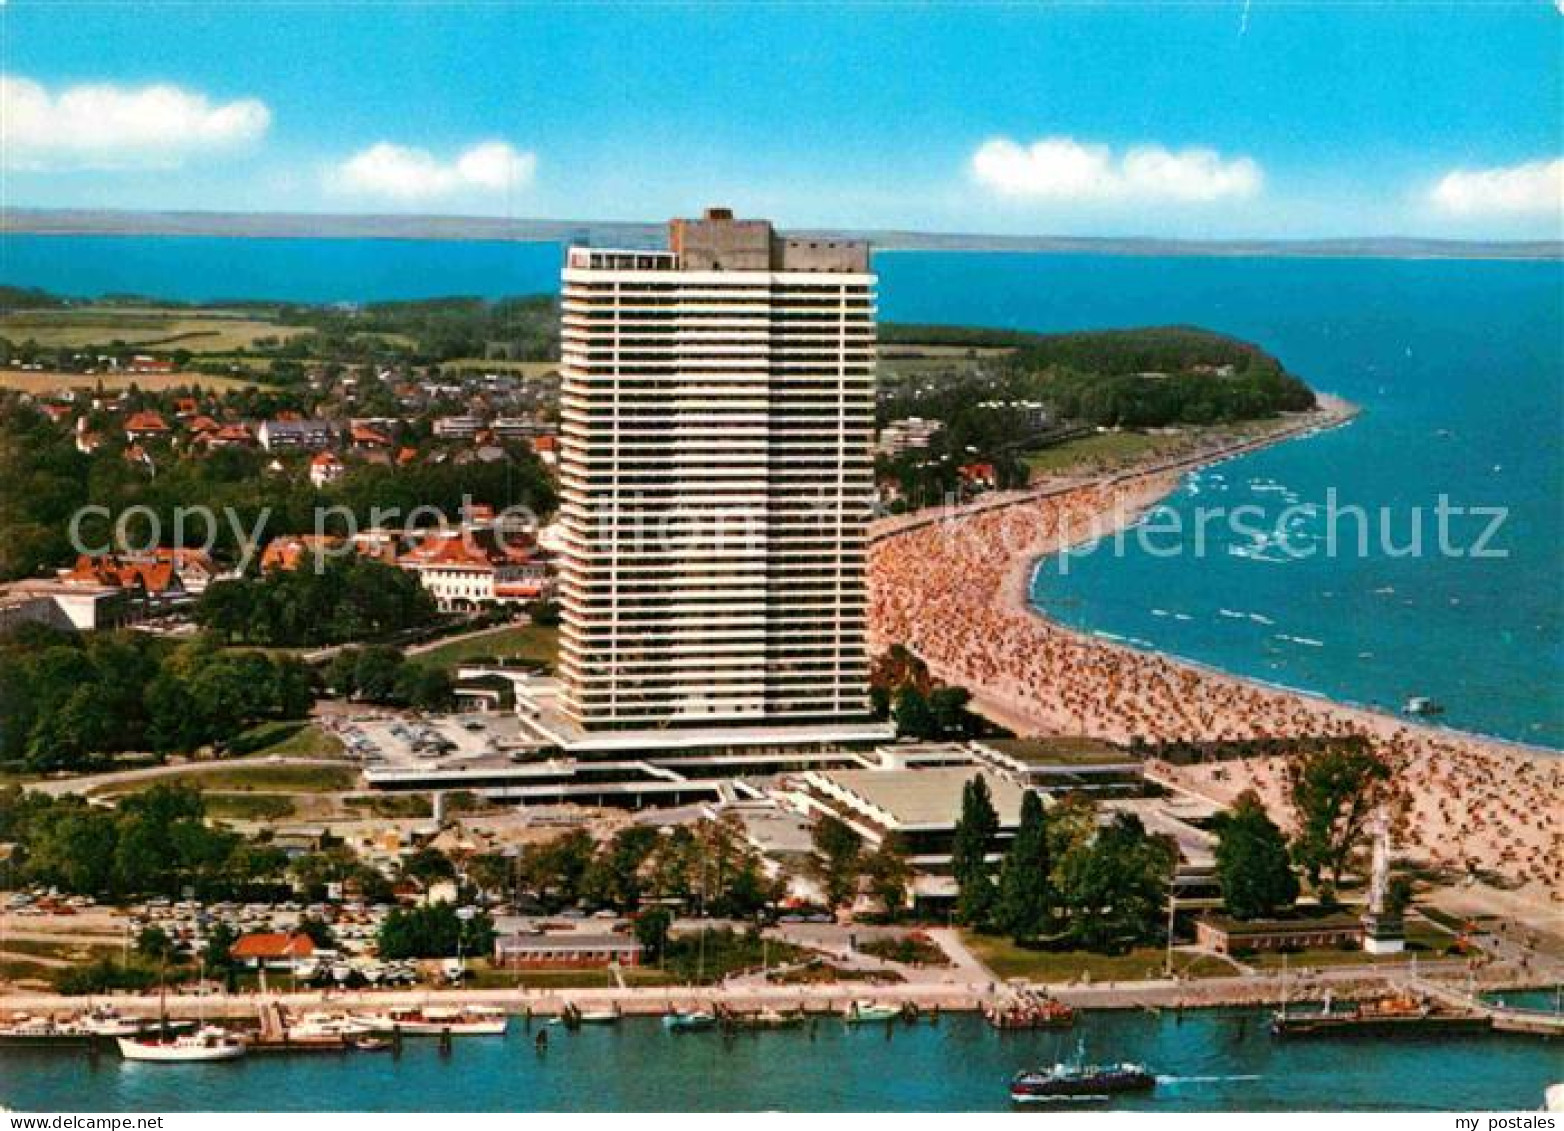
x: 716, y: 472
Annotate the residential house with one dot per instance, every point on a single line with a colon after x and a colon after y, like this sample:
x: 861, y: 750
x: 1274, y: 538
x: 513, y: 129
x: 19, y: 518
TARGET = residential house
x: 296, y: 435
x: 326, y: 468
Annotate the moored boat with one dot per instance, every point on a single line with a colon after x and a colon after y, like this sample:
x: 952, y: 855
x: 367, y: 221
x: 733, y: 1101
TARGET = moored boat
x: 23, y: 1030
x: 867, y: 1011
x: 467, y: 1021
x: 690, y: 1022
x: 205, y: 1044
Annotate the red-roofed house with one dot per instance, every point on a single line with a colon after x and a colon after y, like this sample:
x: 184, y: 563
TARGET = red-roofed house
x: 364, y: 438
x: 151, y: 585
x: 325, y: 468
x: 143, y: 426
x: 463, y: 569
x: 978, y: 476
x: 276, y: 950
x: 291, y: 552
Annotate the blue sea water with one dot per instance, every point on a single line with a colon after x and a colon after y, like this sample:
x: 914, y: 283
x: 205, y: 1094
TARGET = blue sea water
x: 1458, y: 367
x: 1206, y: 1061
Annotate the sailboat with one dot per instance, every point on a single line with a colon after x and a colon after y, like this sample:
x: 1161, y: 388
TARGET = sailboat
x: 206, y: 1043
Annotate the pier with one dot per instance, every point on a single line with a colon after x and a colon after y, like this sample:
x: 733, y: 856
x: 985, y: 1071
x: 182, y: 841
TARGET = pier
x: 1503, y: 1018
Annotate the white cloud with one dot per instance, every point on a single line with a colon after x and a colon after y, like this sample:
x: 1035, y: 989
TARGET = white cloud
x: 1063, y: 169
x: 403, y: 173
x: 1535, y: 188
x: 102, y: 126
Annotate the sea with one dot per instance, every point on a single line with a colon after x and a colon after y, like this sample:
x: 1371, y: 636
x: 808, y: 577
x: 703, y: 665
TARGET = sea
x: 1417, y: 552
x: 1208, y: 1060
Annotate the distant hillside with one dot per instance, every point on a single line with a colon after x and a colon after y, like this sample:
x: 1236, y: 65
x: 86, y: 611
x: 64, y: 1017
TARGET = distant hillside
x: 68, y: 221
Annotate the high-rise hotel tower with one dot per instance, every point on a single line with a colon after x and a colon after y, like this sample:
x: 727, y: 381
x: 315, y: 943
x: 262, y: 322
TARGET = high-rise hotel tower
x: 717, y: 418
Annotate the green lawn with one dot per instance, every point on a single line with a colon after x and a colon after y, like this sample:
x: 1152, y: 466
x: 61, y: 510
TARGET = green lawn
x: 526, y: 643
x: 294, y: 739
x: 251, y: 775
x: 485, y: 977
x: 1099, y: 451
x: 248, y: 806
x: 1008, y: 961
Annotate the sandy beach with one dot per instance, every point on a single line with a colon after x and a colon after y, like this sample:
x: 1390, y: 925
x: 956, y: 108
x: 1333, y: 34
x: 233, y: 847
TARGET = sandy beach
x: 953, y: 587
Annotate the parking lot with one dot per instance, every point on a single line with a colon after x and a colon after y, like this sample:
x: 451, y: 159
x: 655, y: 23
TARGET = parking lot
x: 445, y: 741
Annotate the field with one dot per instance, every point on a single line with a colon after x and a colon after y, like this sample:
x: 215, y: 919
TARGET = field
x: 527, y: 643
x: 41, y: 382
x: 204, y: 331
x: 1100, y: 451
x: 1008, y: 961
x: 485, y: 365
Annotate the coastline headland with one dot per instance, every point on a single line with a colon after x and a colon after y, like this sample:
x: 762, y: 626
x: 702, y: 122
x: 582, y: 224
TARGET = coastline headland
x: 953, y: 586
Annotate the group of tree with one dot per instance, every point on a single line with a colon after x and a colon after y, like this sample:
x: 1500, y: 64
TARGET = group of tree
x: 68, y: 701
x: 1064, y: 878
x: 156, y: 842
x: 707, y: 866
x: 845, y: 867
x: 435, y: 930
x: 1334, y: 787
x: 382, y: 674
x: 901, y: 688
x: 344, y: 599
x: 1144, y: 378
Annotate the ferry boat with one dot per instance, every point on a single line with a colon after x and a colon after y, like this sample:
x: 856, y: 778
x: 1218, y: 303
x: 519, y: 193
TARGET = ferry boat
x: 208, y: 1043
x: 468, y: 1021
x: 1079, y: 1081
x: 868, y: 1011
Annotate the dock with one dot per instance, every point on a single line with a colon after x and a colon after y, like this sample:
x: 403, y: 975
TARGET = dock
x: 1502, y: 1018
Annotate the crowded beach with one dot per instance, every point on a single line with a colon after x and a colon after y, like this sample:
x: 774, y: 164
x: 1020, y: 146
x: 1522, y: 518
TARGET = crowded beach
x: 953, y: 588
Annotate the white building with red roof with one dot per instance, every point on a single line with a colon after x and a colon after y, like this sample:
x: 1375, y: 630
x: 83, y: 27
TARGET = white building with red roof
x: 467, y: 568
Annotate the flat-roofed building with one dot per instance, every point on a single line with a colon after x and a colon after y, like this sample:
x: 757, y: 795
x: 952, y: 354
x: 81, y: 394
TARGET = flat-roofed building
x: 921, y: 807
x: 717, y: 417
x: 565, y: 951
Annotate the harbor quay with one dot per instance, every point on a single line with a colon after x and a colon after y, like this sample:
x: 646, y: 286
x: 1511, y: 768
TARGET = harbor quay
x: 1340, y: 984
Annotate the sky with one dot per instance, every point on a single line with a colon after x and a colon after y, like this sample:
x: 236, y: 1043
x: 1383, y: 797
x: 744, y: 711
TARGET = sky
x: 1189, y: 120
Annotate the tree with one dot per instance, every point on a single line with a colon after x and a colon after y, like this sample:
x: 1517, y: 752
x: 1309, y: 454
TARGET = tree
x: 913, y: 717
x: 651, y: 931
x: 889, y: 874
x: 219, y: 942
x: 975, y: 832
x: 1252, y: 861
x: 435, y: 931
x: 153, y: 942
x: 1333, y: 790
x: 1115, y: 885
x: 837, y: 860
x: 1025, y: 899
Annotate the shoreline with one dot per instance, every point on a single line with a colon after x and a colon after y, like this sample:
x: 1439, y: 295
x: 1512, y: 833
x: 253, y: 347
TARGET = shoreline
x: 954, y: 587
